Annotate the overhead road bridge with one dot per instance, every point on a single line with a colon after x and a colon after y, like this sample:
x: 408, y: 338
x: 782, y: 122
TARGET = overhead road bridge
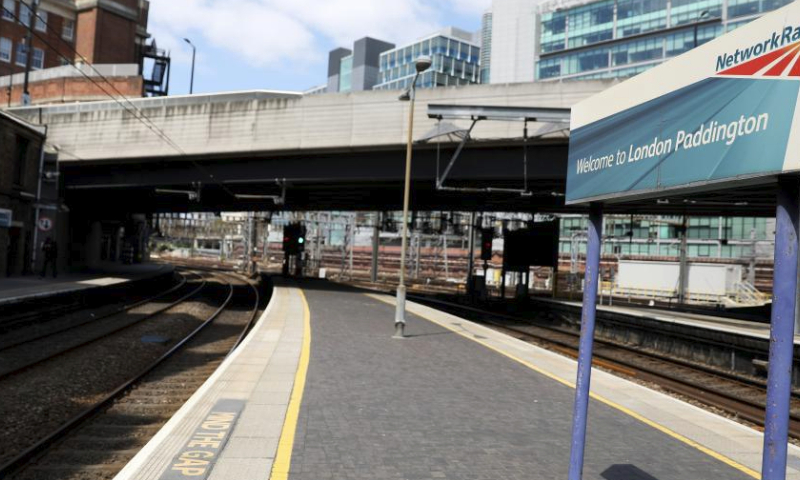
x: 245, y: 150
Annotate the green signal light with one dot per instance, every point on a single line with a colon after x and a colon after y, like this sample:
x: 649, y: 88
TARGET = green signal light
x: 301, y: 240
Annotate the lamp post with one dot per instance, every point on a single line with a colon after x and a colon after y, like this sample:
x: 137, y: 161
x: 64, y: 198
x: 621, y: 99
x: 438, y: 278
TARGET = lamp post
x: 423, y: 63
x: 699, y: 17
x: 194, y: 54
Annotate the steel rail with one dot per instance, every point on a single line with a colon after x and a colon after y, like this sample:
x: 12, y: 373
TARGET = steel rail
x: 250, y: 322
x: 13, y: 371
x: 44, y: 444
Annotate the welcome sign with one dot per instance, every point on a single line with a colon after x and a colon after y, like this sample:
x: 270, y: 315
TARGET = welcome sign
x: 723, y: 112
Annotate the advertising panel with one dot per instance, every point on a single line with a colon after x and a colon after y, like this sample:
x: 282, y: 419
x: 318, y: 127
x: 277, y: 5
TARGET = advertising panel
x: 722, y: 113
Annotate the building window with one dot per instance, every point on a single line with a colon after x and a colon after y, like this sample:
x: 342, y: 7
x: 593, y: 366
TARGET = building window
x: 9, y: 9
x: 20, y: 160
x: 65, y: 61
x: 22, y: 55
x: 25, y: 14
x: 5, y: 50
x: 68, y: 32
x: 41, y: 21
x: 38, y: 58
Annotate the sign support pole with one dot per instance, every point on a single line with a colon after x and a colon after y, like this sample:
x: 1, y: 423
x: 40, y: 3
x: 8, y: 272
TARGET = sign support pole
x: 781, y: 346
x: 580, y: 414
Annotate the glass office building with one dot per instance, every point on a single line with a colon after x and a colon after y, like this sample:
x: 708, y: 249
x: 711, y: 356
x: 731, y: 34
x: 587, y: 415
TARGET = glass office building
x: 620, y: 38
x: 455, y: 55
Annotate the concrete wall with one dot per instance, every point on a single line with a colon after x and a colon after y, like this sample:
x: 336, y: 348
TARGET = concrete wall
x: 250, y: 122
x: 514, y: 39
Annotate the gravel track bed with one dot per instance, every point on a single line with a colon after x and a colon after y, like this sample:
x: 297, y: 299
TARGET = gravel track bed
x: 103, y: 445
x: 37, y: 401
x: 37, y: 328
x: 17, y: 357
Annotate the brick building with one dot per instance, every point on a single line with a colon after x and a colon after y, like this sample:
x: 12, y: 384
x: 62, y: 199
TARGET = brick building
x: 20, y: 156
x: 100, y: 32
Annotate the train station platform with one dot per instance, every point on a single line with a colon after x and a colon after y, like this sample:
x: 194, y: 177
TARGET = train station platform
x: 34, y: 287
x: 319, y: 390
x: 705, y: 321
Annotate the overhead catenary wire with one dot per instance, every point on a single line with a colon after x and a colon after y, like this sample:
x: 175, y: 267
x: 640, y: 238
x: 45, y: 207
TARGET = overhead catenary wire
x: 135, y: 111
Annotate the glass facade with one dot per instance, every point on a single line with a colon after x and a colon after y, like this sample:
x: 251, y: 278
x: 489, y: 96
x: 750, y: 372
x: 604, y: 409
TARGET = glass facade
x: 620, y: 38
x: 346, y: 74
x: 712, y: 237
x: 455, y: 62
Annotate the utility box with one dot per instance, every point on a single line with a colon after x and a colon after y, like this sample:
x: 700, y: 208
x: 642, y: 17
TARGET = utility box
x: 661, y: 278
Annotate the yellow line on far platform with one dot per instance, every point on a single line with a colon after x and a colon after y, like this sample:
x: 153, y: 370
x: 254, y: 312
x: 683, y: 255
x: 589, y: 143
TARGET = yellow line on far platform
x: 283, y: 457
x: 661, y: 428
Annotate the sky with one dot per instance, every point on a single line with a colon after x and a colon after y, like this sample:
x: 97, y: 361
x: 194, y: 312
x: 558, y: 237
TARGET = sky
x: 284, y: 44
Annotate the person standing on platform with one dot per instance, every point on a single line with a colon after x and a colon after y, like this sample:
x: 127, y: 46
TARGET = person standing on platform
x: 50, y: 251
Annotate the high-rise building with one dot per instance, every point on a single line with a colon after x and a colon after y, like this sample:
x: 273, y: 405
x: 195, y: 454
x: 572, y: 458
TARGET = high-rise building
x: 357, y: 69
x: 456, y: 61
x: 513, y: 38
x: 619, y: 38
x: 486, y: 46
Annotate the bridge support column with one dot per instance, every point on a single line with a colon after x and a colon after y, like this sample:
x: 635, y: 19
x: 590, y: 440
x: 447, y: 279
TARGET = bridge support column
x: 784, y: 301
x: 582, y: 384
x: 376, y: 243
x: 471, y: 255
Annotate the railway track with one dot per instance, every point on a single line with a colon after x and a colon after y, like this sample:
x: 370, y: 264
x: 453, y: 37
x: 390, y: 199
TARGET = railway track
x: 32, y: 312
x: 32, y: 356
x: 101, y: 438
x: 739, y: 396
x: 88, y: 318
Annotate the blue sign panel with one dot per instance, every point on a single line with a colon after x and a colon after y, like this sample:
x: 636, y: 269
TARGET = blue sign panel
x: 716, y: 129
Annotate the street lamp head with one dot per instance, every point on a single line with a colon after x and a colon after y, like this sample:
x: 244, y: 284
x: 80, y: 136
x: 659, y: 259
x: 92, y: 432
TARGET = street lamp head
x: 188, y: 41
x: 423, y: 63
x: 704, y: 13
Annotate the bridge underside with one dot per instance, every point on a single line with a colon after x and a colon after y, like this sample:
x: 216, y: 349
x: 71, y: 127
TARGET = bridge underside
x: 365, y: 180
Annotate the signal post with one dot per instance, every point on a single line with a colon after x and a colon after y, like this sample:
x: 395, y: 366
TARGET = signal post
x: 294, y: 243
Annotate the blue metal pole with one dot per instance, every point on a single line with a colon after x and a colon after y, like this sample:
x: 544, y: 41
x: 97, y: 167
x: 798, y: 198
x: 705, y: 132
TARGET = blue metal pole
x: 580, y: 414
x: 781, y: 345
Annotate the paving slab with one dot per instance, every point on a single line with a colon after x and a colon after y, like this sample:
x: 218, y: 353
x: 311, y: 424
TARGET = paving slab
x: 454, y: 400
x: 259, y: 376
x: 439, y: 405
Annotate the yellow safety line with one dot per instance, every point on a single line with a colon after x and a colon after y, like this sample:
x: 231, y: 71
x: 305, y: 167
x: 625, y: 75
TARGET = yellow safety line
x: 722, y: 458
x: 283, y: 457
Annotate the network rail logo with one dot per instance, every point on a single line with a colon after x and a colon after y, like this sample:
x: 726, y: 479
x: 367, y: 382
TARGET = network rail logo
x: 776, y: 56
